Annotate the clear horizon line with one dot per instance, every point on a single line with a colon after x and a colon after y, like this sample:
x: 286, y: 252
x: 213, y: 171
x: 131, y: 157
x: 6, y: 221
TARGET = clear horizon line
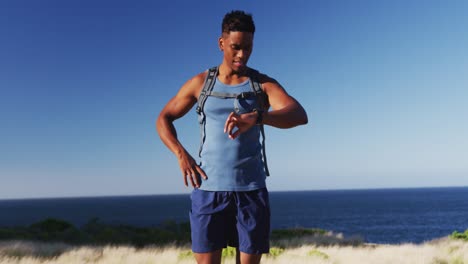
x: 187, y: 193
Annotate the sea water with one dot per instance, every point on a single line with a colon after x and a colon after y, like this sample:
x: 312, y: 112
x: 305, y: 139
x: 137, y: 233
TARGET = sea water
x: 377, y: 215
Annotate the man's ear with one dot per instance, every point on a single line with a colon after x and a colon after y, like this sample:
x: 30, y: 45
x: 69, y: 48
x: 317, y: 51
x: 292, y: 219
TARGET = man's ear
x: 221, y: 43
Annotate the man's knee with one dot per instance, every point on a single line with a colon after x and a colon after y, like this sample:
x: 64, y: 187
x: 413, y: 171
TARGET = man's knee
x: 208, y: 258
x: 250, y: 258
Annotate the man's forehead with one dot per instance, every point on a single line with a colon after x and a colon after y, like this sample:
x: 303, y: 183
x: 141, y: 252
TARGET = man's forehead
x: 238, y: 36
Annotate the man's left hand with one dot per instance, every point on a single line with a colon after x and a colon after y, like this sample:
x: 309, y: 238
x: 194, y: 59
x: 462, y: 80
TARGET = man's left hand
x: 242, y: 122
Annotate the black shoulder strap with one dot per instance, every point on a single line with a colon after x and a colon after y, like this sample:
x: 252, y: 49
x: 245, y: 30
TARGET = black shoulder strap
x: 206, y: 90
x: 262, y: 101
x: 257, y: 88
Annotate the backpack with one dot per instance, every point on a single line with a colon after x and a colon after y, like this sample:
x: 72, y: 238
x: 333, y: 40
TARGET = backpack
x: 208, y: 91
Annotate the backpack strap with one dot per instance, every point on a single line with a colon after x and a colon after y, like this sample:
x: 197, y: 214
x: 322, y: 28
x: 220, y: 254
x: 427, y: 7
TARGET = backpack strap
x: 207, y: 88
x: 262, y: 101
x: 242, y: 95
x: 257, y: 88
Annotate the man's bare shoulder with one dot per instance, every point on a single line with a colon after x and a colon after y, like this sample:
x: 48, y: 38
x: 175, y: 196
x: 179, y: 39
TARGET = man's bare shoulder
x: 195, y: 84
x: 267, y: 81
x: 199, y: 79
x: 262, y: 77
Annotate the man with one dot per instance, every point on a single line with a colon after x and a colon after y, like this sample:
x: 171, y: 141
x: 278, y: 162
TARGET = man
x: 229, y: 201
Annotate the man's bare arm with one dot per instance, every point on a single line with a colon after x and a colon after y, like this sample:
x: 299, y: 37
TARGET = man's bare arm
x: 177, y: 107
x: 286, y: 111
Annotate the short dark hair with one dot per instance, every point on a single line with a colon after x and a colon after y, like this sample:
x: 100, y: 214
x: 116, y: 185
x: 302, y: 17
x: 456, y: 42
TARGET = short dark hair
x: 238, y: 20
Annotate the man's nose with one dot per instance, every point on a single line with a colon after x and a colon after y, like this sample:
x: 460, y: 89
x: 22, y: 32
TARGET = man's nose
x: 240, y: 53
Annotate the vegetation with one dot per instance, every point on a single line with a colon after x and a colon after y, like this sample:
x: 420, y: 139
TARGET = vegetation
x: 56, y: 241
x: 94, y: 232
x: 441, y: 251
x: 458, y: 235
x: 97, y: 233
x: 276, y: 251
x: 317, y: 253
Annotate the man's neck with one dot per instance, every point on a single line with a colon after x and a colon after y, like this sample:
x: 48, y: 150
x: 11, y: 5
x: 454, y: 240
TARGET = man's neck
x: 230, y: 77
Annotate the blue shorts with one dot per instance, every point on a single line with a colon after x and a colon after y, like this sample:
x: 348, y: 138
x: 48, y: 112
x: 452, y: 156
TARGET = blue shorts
x: 237, y: 219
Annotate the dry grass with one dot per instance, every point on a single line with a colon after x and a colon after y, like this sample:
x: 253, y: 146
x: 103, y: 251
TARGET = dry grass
x: 436, y: 252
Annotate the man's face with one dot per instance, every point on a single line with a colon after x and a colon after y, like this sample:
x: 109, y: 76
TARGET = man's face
x: 237, y: 47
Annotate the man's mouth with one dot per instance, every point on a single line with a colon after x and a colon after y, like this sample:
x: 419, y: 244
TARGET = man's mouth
x: 238, y: 63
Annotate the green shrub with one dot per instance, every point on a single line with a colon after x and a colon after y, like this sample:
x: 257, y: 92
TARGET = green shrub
x: 51, y: 225
x: 186, y: 254
x: 317, y: 253
x: 276, y: 251
x: 229, y: 252
x: 52, y: 230
x: 14, y: 233
x: 458, y: 235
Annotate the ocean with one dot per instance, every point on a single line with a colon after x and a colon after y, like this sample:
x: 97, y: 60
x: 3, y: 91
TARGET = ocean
x: 389, y: 216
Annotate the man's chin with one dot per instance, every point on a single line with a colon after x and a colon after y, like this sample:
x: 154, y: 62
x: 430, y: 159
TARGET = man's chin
x: 239, y: 69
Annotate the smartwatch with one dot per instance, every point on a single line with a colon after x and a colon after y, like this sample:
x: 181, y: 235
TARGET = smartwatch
x: 259, y: 116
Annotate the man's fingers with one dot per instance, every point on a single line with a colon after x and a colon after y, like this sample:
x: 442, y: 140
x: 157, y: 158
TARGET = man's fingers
x: 231, y: 121
x: 231, y: 127
x: 196, y: 180
x: 191, y: 172
x: 228, y: 120
x: 228, y: 127
x: 185, y: 179
x: 193, y: 177
x: 191, y: 180
x: 201, y: 172
x: 235, y: 134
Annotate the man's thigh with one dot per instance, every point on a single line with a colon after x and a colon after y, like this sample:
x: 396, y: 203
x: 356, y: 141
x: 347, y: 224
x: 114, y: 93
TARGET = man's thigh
x: 253, y: 221
x: 212, y: 221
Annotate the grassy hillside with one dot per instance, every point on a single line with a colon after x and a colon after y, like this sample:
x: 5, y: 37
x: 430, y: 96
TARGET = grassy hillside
x: 55, y: 241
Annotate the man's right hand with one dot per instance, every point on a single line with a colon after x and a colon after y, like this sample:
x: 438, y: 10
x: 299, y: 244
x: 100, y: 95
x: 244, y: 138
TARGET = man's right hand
x: 190, y: 170
x: 177, y: 107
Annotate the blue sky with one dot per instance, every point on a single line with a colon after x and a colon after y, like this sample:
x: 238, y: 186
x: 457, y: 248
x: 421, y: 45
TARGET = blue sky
x: 82, y: 82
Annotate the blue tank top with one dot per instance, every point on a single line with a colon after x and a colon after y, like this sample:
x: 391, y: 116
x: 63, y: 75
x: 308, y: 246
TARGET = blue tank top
x: 231, y: 165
